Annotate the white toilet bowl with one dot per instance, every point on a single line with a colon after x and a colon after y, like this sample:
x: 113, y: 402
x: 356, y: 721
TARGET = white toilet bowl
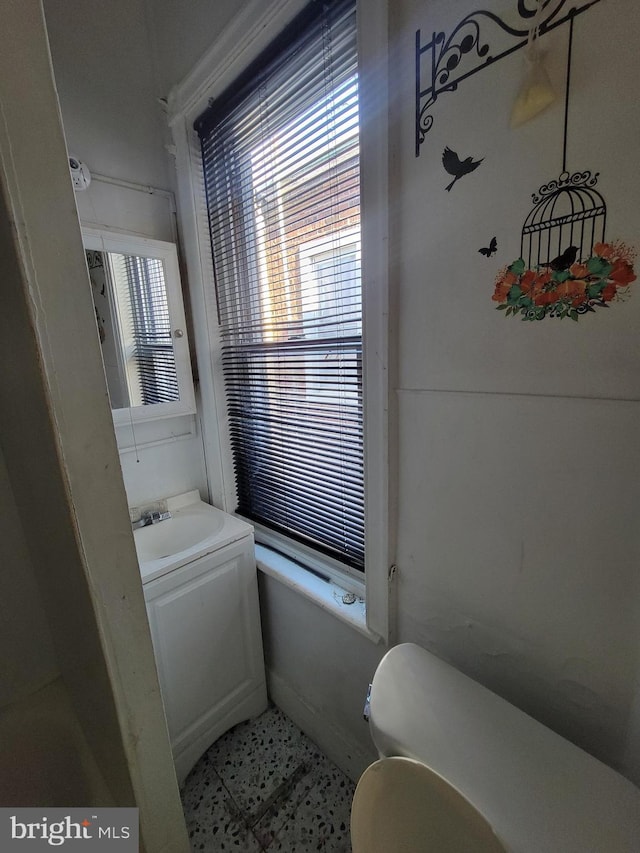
x: 536, y: 791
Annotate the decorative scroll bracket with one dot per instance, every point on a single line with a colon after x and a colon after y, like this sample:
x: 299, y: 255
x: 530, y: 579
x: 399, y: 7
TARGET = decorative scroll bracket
x: 447, y: 61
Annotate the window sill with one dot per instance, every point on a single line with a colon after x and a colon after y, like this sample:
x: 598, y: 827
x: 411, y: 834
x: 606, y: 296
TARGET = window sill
x: 325, y: 594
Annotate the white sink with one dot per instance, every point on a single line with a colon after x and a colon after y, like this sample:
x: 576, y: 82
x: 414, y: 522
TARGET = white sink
x: 193, y: 531
x: 184, y: 530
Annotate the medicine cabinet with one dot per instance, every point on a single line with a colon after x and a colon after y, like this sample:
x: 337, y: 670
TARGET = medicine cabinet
x: 140, y: 317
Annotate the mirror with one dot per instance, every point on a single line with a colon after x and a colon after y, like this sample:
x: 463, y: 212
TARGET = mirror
x: 137, y: 297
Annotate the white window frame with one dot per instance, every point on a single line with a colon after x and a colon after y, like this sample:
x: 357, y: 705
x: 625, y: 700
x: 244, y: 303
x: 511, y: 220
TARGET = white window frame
x: 329, y: 244
x: 250, y: 32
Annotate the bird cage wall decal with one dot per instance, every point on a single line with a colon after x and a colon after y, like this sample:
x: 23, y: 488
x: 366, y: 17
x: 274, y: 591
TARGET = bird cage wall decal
x: 565, y: 268
x: 569, y: 216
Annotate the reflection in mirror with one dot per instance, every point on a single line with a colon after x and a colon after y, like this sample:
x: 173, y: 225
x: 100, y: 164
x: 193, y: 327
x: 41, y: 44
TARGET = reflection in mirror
x: 138, y: 350
x: 138, y: 304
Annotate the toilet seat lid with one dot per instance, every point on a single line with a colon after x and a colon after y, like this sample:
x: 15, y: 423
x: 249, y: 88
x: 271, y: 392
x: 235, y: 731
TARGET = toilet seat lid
x: 402, y: 806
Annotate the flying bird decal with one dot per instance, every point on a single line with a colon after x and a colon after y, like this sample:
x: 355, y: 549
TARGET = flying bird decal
x: 457, y: 167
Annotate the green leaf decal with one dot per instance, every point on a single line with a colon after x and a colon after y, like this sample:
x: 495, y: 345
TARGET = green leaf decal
x: 598, y: 266
x: 517, y: 267
x: 595, y: 289
x: 514, y: 294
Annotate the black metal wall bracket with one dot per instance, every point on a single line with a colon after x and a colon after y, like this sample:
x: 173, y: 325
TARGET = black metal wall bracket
x: 445, y: 61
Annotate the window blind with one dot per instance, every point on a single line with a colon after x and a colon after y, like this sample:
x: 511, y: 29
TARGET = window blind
x: 281, y: 173
x: 146, y: 329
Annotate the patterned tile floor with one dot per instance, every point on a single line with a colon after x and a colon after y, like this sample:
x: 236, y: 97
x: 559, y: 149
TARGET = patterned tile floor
x: 265, y: 786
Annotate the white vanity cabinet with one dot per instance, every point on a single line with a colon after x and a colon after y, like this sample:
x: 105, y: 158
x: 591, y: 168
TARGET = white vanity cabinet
x: 205, y: 627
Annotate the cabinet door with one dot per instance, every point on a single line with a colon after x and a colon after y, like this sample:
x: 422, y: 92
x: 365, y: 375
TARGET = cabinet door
x: 205, y: 626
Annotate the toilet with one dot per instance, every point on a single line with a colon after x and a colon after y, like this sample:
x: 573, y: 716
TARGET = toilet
x: 463, y: 771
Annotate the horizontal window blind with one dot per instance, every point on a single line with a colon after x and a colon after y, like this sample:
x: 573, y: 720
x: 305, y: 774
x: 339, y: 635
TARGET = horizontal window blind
x: 146, y: 329
x: 281, y: 172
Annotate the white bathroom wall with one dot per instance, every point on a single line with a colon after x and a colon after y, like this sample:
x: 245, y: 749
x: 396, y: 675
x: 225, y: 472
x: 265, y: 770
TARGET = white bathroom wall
x: 182, y: 32
x: 319, y: 670
x: 518, y: 459
x: 166, y: 467
x: 105, y: 78
x: 107, y: 84
x: 27, y: 657
x: 517, y: 468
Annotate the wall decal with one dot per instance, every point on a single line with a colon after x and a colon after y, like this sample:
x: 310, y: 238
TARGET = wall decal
x: 94, y: 258
x: 534, y: 294
x: 568, y: 214
x: 570, y: 269
x: 564, y: 261
x: 490, y: 249
x: 457, y: 167
x: 443, y: 62
x: 95, y: 262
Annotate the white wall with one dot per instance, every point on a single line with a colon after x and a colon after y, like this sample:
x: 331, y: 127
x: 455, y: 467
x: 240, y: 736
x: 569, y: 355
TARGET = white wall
x: 27, y: 658
x: 182, y: 33
x: 107, y: 84
x: 170, y: 467
x: 318, y: 671
x: 105, y: 76
x: 518, y: 458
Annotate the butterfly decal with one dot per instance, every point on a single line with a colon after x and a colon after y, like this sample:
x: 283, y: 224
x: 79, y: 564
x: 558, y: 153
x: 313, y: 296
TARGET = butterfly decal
x: 489, y: 250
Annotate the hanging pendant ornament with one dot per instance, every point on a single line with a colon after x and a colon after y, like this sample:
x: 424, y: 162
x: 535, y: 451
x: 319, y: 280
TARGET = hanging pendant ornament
x: 536, y: 92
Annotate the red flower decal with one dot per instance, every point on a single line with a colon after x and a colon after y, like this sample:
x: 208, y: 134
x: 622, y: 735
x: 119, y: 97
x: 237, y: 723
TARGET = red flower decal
x: 587, y: 284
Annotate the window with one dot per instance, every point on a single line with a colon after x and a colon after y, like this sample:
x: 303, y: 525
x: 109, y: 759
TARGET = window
x: 281, y: 167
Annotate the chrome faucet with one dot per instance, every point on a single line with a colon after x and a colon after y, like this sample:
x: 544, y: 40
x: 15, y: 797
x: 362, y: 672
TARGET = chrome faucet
x: 151, y: 516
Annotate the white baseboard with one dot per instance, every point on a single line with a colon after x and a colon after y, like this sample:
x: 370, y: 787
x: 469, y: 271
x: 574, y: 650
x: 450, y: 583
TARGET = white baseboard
x: 351, y: 757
